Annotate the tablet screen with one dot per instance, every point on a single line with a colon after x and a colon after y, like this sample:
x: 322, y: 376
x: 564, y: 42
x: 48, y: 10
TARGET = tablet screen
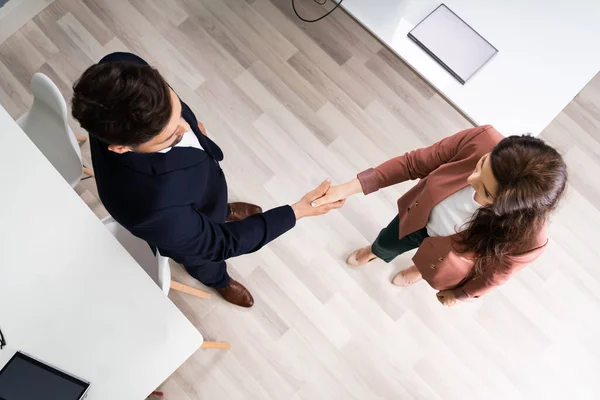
x: 24, y: 378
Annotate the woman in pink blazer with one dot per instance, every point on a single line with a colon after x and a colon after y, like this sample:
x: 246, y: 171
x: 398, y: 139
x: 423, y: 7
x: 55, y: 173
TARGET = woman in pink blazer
x: 477, y: 215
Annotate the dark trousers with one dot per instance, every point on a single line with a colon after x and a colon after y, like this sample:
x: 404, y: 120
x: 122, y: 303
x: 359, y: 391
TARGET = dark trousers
x: 212, y: 274
x: 388, y: 245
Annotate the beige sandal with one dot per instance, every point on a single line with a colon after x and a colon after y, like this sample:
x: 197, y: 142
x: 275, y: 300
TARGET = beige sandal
x: 360, y: 257
x: 407, y: 277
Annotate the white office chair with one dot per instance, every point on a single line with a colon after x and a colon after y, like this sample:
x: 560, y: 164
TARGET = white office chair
x: 46, y: 125
x: 156, y: 266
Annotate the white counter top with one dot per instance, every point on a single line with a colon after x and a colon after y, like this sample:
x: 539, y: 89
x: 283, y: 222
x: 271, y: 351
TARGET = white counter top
x: 70, y: 295
x: 548, y: 51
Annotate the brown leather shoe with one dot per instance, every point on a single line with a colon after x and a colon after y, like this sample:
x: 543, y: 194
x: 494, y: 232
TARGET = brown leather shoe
x: 237, y: 294
x: 239, y: 211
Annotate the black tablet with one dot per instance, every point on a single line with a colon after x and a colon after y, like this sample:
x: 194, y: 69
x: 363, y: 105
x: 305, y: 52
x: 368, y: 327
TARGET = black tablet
x: 25, y: 378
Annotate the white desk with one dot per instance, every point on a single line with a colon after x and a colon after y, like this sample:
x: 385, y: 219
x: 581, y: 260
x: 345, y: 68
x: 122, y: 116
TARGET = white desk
x: 547, y: 54
x: 70, y: 295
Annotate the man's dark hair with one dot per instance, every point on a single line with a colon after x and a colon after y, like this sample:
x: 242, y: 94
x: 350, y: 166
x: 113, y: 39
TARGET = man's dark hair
x: 122, y: 103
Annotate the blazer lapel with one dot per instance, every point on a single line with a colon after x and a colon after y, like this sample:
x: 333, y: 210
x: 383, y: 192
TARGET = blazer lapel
x: 444, y: 185
x: 208, y: 145
x: 450, y: 178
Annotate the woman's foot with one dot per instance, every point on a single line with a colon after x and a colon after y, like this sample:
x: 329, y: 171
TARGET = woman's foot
x: 361, y: 257
x: 407, y: 277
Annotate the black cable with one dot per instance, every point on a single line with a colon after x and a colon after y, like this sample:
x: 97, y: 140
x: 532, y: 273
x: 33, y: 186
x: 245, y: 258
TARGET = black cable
x: 321, y: 17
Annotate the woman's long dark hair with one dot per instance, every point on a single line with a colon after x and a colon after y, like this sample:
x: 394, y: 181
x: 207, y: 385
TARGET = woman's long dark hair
x: 532, y: 177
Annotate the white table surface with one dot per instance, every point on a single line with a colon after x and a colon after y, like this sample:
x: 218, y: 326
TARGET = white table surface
x: 70, y: 295
x: 548, y: 51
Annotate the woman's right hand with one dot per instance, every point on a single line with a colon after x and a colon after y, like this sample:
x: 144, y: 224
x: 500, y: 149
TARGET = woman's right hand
x: 340, y: 192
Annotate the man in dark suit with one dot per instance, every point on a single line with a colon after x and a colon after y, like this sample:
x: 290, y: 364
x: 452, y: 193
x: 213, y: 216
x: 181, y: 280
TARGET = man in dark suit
x: 158, y: 174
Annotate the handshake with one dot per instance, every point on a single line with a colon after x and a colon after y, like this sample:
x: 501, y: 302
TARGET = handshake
x: 325, y: 198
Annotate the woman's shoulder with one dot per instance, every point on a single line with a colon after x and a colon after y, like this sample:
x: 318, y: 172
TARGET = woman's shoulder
x: 475, y: 142
x: 487, y: 135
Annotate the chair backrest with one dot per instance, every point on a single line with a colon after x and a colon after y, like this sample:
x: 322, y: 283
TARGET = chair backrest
x: 155, y: 266
x: 47, y: 126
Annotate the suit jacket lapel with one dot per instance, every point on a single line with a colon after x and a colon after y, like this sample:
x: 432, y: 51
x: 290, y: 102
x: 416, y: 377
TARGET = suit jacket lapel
x: 208, y: 145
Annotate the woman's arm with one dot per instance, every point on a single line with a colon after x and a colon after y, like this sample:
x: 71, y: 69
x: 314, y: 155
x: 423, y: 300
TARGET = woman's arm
x: 413, y: 165
x: 417, y: 164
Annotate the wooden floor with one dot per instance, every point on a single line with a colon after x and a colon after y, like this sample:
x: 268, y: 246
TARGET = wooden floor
x: 292, y: 104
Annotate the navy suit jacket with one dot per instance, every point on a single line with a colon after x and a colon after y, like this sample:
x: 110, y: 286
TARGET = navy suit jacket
x: 177, y: 201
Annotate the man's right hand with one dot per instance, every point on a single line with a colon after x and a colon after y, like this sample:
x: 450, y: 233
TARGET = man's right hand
x: 304, y: 207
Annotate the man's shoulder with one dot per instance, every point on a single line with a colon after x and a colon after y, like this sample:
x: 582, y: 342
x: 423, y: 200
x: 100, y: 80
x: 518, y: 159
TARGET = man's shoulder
x: 138, y: 195
x: 123, y: 57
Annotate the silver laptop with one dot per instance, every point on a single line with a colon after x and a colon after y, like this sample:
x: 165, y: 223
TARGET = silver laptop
x: 452, y: 43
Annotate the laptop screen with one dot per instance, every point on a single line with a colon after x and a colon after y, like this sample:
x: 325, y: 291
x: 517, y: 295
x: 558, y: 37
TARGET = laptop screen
x: 25, y: 378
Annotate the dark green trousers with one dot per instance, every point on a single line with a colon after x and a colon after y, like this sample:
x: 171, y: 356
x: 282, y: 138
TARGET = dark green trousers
x: 388, y: 245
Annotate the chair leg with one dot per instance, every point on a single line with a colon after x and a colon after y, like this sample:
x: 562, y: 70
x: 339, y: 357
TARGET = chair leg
x: 81, y: 139
x: 88, y: 171
x: 180, y: 287
x: 216, y: 345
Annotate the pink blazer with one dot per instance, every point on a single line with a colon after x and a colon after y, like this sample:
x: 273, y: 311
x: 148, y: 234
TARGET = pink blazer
x: 443, y: 169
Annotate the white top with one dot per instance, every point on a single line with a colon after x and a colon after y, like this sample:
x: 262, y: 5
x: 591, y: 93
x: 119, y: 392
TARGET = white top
x: 450, y: 215
x: 547, y: 52
x: 189, y: 140
x: 70, y: 294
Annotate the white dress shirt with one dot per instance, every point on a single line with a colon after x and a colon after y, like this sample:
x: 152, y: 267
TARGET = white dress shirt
x: 189, y: 140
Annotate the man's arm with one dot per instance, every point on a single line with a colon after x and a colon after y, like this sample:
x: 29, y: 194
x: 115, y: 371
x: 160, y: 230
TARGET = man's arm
x: 189, y: 237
